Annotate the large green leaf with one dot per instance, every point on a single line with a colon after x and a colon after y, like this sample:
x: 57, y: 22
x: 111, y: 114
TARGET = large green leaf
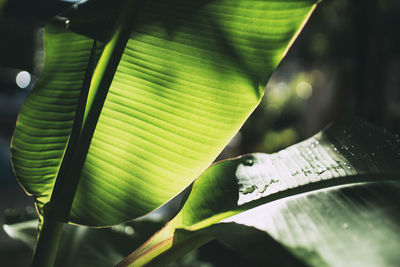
x: 346, y: 152
x: 45, y: 121
x: 190, y: 74
x: 355, y: 225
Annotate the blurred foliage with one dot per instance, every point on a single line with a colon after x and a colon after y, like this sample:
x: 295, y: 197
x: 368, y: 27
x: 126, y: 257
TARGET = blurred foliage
x: 80, y: 245
x: 345, y: 62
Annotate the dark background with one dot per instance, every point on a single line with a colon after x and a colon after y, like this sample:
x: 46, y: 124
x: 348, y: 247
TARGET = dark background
x: 345, y: 62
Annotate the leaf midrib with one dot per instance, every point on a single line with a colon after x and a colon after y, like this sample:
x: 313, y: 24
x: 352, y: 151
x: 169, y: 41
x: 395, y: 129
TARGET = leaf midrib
x: 307, y: 188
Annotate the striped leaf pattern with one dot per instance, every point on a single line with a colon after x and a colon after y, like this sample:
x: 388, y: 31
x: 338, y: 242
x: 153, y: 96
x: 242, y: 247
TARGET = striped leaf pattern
x: 347, y: 152
x: 46, y: 118
x: 190, y: 75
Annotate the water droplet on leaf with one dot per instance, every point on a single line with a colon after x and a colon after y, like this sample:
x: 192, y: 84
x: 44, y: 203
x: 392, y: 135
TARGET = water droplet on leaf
x: 248, y: 190
x: 248, y: 162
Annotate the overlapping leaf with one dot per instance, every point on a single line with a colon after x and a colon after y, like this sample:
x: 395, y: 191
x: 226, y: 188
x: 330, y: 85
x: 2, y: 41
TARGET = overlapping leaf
x: 347, y: 152
x: 190, y: 75
x: 351, y: 225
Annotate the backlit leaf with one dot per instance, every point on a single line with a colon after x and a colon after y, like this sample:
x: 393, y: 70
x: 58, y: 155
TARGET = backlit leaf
x: 190, y: 74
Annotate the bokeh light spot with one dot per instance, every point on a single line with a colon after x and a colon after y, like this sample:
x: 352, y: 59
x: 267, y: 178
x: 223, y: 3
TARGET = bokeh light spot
x: 23, y: 79
x: 304, y: 90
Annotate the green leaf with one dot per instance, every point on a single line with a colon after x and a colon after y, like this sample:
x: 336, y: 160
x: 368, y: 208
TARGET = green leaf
x: 45, y: 121
x: 353, y: 225
x: 190, y: 74
x: 346, y: 152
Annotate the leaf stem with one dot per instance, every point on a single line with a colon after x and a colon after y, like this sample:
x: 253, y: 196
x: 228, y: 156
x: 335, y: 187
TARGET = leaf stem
x: 50, y: 230
x: 48, y: 241
x: 94, y: 91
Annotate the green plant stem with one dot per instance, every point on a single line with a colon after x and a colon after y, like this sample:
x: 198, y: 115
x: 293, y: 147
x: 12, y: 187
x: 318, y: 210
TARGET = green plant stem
x: 48, y: 242
x: 89, y: 107
x: 50, y: 230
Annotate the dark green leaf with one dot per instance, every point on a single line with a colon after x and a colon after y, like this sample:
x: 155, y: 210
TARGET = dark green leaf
x: 347, y: 152
x: 351, y: 225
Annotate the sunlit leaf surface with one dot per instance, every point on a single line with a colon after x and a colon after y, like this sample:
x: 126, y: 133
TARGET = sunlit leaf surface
x: 190, y: 75
x: 347, y: 152
x: 355, y: 225
x: 45, y: 121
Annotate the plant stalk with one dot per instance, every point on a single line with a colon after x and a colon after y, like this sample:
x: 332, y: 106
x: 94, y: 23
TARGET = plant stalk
x: 48, y: 242
x: 91, y: 101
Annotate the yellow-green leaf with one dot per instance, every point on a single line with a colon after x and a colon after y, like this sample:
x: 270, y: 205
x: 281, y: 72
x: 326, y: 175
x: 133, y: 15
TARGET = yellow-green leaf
x: 190, y: 74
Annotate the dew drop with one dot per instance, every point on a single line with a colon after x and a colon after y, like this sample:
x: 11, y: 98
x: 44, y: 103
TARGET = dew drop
x: 248, y: 190
x: 262, y: 190
x: 295, y: 173
x: 321, y: 170
x: 306, y: 171
x: 248, y: 162
x: 345, y: 225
